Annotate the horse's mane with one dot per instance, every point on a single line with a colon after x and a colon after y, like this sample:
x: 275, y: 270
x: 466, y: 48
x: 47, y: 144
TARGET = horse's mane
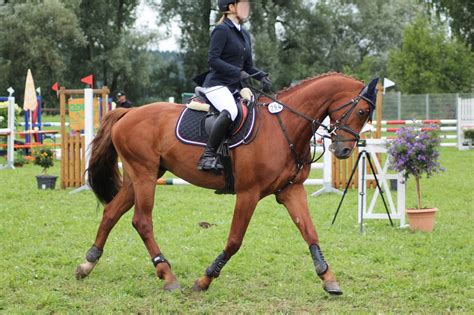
x: 307, y: 81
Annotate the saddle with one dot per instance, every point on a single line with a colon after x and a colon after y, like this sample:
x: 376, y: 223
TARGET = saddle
x: 242, y: 99
x: 196, y: 120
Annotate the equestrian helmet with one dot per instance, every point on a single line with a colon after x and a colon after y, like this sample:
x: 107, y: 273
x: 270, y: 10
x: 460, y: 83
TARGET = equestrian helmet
x: 224, y: 4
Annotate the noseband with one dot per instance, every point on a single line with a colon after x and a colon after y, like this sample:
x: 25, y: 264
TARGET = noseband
x: 338, y: 124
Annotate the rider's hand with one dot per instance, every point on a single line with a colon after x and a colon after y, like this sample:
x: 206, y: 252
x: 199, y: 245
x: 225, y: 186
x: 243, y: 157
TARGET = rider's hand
x: 244, y: 75
x: 266, y: 84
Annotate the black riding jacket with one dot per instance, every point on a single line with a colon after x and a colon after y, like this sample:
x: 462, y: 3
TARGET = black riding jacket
x: 230, y: 52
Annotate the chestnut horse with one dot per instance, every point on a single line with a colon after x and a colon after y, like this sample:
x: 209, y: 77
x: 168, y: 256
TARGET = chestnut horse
x: 144, y: 139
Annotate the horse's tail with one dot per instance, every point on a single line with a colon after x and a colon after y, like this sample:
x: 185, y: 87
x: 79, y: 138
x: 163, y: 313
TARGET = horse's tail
x: 103, y: 173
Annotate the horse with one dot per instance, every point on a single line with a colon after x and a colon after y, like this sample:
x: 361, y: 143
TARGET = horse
x: 144, y: 139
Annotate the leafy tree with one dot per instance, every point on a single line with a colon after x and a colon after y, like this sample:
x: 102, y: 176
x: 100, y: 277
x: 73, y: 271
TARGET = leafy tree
x: 428, y: 61
x: 110, y: 44
x: 296, y: 39
x: 377, y: 26
x: 194, y: 20
x: 40, y: 37
x: 64, y: 40
x: 461, y: 17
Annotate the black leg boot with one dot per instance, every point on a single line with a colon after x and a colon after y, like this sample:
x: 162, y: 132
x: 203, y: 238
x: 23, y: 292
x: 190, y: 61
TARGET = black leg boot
x: 209, y: 160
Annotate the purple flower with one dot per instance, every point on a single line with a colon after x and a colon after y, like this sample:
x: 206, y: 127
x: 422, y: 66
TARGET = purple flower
x: 415, y: 152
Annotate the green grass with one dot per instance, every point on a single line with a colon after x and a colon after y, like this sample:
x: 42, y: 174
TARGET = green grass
x: 45, y: 235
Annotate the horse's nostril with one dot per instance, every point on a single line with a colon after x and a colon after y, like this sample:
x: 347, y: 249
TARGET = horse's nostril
x: 346, y: 151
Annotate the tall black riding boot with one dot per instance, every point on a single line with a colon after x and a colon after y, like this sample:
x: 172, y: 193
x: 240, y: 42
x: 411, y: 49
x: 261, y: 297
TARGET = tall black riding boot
x: 209, y: 160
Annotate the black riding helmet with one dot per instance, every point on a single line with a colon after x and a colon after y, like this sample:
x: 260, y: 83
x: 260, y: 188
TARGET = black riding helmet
x: 224, y: 4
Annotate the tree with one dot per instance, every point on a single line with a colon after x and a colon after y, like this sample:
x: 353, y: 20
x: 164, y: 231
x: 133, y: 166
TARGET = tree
x: 41, y: 37
x: 110, y: 43
x: 64, y: 40
x: 194, y: 20
x: 377, y: 26
x: 460, y: 13
x: 430, y: 62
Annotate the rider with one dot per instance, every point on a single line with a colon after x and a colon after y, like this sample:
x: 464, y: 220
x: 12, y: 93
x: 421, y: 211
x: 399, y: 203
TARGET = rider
x: 230, y: 61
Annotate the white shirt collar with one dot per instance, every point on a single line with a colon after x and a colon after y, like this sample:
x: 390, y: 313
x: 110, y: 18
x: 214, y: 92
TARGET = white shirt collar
x: 237, y: 25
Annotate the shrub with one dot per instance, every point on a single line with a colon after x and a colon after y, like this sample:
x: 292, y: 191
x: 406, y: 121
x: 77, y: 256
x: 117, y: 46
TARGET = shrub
x: 4, y: 113
x: 469, y: 134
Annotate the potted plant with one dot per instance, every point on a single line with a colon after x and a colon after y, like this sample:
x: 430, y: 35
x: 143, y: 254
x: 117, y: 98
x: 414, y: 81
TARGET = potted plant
x: 45, y: 159
x: 416, y: 152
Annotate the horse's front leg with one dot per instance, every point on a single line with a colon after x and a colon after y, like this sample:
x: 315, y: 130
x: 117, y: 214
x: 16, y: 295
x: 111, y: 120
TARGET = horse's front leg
x: 244, y: 208
x: 294, y: 199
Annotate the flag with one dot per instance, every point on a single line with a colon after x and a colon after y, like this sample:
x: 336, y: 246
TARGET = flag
x: 388, y: 83
x: 30, y: 102
x: 88, y: 80
x: 55, y: 87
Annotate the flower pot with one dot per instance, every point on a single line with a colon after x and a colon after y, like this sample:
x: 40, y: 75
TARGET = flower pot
x: 46, y: 181
x: 421, y: 219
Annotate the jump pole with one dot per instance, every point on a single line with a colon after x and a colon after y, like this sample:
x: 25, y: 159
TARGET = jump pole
x: 10, y: 131
x: 88, y: 133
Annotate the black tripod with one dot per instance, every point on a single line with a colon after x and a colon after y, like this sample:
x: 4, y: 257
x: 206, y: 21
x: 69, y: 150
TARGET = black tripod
x: 362, y: 154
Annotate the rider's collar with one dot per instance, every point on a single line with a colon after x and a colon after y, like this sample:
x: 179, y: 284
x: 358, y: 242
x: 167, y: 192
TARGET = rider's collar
x: 231, y: 23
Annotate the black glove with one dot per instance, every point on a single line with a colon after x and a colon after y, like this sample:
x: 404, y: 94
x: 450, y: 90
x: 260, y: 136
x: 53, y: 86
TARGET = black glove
x: 266, y: 84
x: 244, y: 75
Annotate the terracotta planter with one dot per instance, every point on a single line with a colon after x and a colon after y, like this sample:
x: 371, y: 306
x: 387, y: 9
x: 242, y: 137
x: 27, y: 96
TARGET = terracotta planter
x: 46, y: 181
x: 422, y: 219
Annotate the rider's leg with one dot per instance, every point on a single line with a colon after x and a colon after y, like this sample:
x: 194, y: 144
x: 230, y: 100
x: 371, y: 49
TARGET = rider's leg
x: 223, y: 100
x: 209, y: 160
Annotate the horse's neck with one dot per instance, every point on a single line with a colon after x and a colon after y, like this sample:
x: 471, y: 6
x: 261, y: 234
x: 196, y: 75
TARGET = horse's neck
x: 313, y: 105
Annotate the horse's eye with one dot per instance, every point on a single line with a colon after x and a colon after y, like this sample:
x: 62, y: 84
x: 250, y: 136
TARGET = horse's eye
x: 361, y: 112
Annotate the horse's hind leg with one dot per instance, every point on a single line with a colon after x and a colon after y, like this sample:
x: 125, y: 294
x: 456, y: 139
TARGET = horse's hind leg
x: 145, y: 186
x: 113, y: 211
x: 295, y: 200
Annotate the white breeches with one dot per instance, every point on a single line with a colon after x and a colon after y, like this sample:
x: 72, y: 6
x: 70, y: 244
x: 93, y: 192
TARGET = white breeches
x: 222, y: 98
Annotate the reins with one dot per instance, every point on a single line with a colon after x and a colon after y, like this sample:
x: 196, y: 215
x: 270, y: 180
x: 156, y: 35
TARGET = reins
x: 315, y: 124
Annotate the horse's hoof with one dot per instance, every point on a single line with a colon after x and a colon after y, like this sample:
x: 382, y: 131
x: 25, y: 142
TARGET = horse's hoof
x: 172, y: 286
x: 197, y: 287
x: 332, y: 288
x: 84, y: 269
x: 80, y: 273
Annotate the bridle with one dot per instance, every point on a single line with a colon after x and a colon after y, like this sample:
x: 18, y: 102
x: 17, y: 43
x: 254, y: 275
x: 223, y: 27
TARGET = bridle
x: 352, y: 105
x: 315, y: 125
x: 332, y: 128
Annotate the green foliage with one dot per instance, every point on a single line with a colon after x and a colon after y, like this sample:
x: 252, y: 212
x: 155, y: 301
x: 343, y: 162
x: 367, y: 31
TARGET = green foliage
x: 385, y: 270
x: 44, y: 158
x: 19, y: 160
x: 64, y: 40
x: 469, y: 134
x: 428, y: 61
x: 459, y: 14
x: 68, y: 39
x: 41, y: 37
x: 194, y: 20
x: 4, y: 113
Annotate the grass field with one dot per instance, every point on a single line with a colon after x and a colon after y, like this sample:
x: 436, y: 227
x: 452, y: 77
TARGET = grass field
x: 45, y: 234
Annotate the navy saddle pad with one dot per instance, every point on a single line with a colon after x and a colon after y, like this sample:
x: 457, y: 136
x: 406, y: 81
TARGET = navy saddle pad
x: 190, y: 128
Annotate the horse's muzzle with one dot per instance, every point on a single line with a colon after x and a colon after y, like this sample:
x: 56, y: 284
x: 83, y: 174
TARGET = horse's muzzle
x: 340, y: 151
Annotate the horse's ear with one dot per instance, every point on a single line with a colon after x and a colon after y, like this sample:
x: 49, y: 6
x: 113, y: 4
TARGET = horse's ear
x: 371, y: 92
